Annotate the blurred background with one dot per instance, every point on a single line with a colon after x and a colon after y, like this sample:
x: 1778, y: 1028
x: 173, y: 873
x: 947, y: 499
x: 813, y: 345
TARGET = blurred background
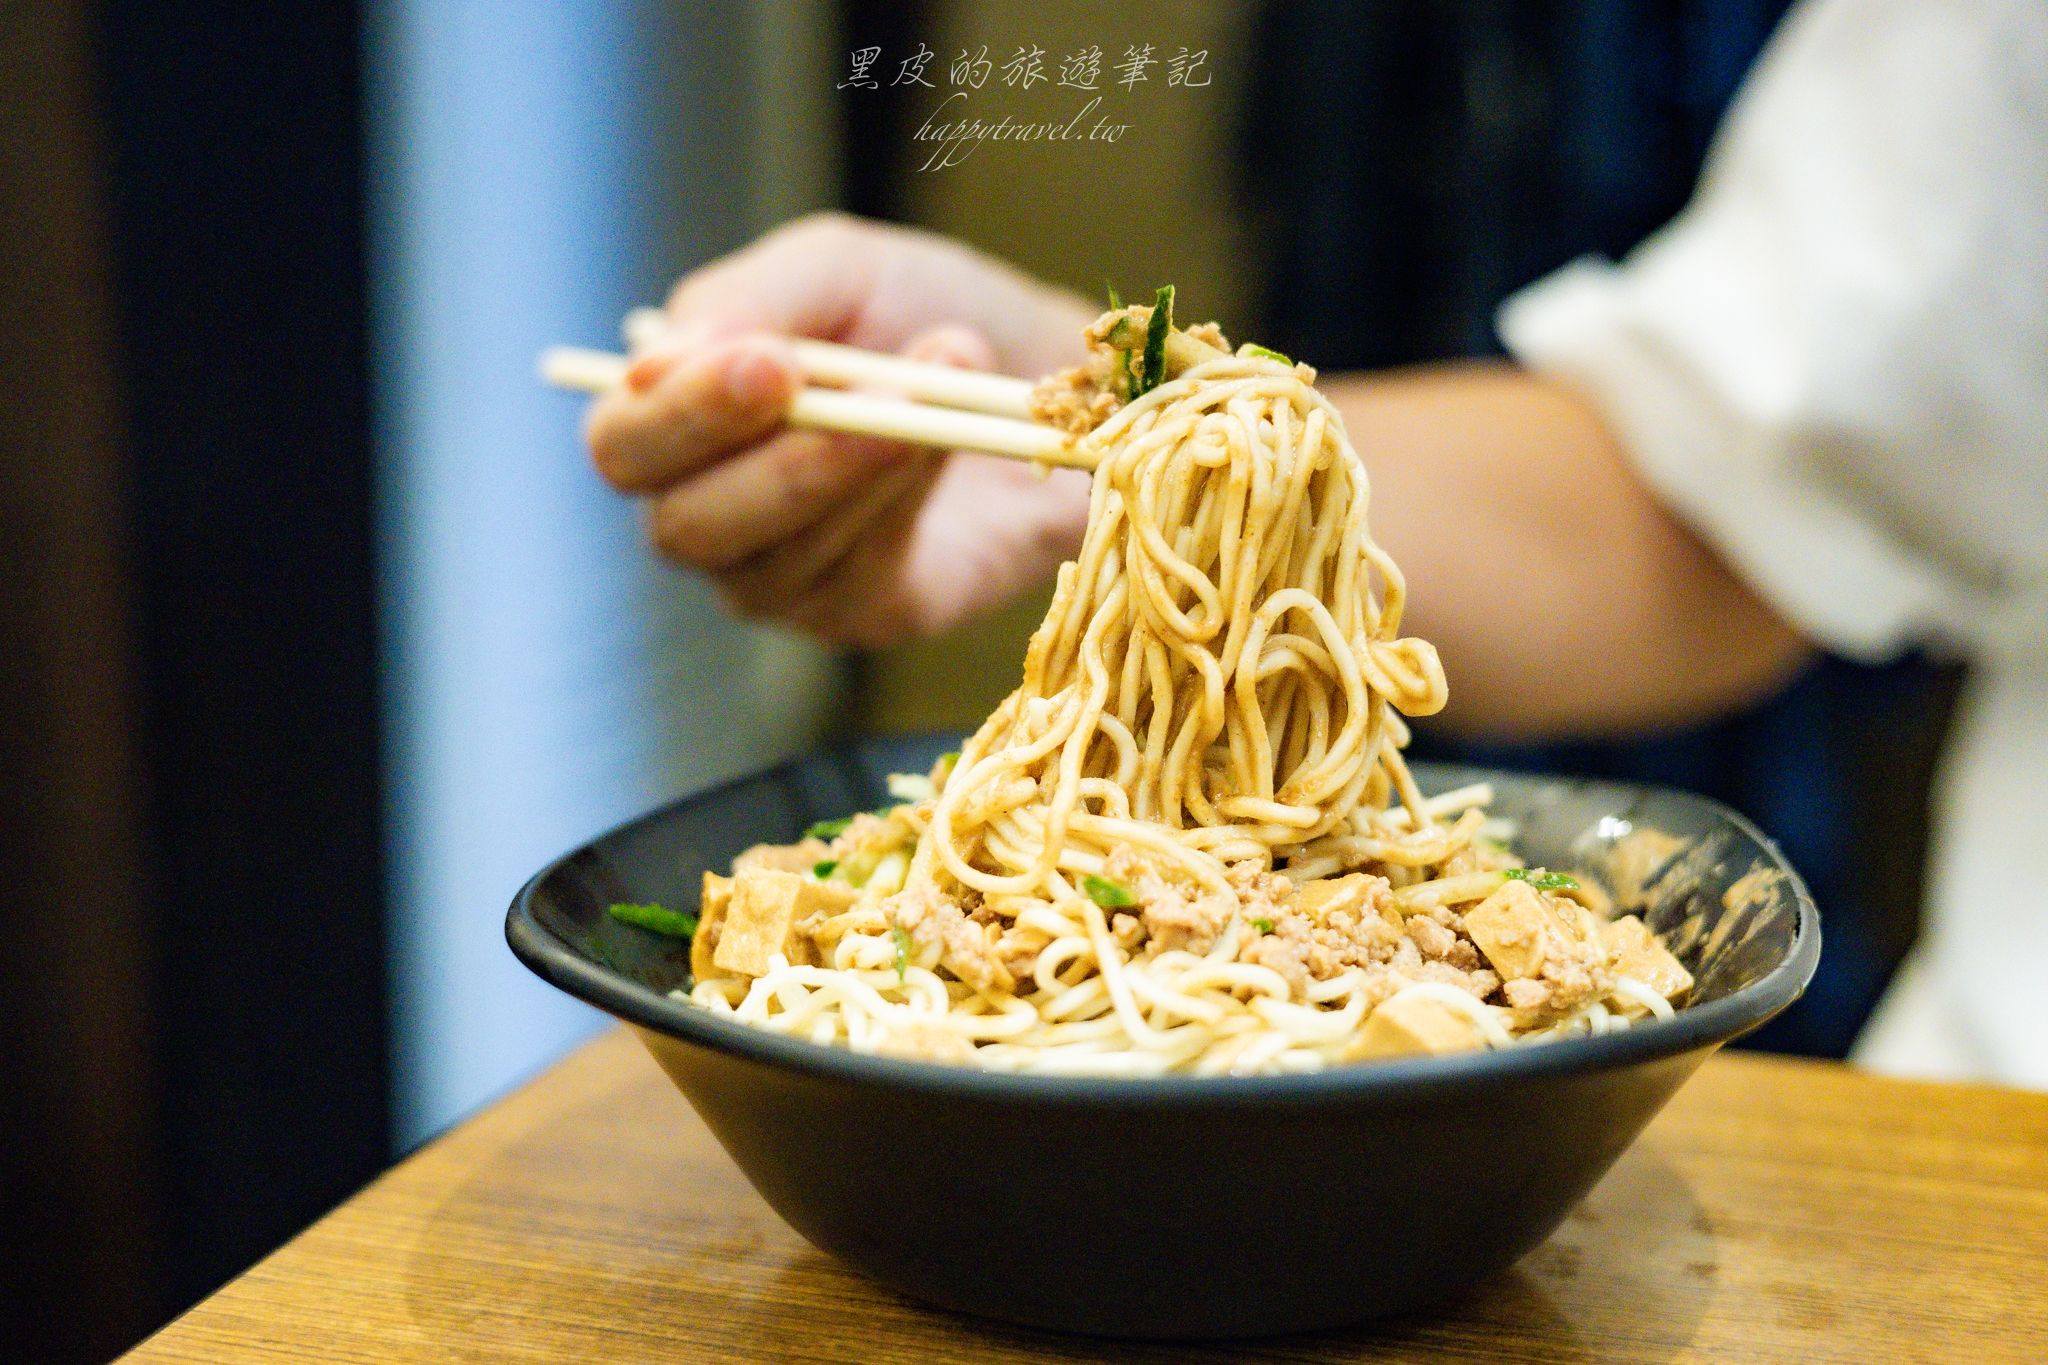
x: 317, y: 634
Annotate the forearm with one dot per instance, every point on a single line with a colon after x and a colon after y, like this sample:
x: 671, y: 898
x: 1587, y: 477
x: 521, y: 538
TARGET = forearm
x: 1565, y: 599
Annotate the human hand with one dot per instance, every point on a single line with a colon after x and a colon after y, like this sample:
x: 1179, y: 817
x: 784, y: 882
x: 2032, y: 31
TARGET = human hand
x: 858, y: 541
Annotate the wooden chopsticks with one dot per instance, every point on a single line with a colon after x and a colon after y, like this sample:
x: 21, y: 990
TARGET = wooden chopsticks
x: 939, y: 405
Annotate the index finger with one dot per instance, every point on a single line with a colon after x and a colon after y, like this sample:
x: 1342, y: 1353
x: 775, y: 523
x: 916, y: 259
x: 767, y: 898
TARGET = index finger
x: 677, y: 414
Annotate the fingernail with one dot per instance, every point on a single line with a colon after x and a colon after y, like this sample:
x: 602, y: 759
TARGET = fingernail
x: 960, y: 347
x: 644, y: 373
x: 753, y: 379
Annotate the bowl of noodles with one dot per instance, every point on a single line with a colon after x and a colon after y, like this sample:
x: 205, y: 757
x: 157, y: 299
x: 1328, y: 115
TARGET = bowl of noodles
x: 1181, y: 1206
x: 1174, y: 1001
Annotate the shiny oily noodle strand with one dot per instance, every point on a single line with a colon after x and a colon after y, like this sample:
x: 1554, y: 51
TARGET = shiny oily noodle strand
x: 1090, y: 1011
x: 1211, y: 685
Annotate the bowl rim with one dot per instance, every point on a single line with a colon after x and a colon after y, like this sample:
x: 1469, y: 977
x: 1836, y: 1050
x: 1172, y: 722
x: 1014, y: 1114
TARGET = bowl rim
x: 1689, y: 1029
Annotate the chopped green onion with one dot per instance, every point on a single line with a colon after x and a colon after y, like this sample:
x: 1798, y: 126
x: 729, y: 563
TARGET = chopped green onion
x: 1123, y: 339
x: 1115, y: 299
x: 902, y: 942
x: 1548, y: 881
x: 1252, y: 348
x: 885, y: 877
x: 1106, y: 893
x: 823, y: 869
x: 1153, y: 372
x: 659, y: 918
x: 910, y: 787
x: 1262, y: 924
x: 950, y: 756
x: 828, y: 829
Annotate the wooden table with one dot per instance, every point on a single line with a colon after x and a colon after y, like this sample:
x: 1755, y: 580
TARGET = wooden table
x: 1778, y: 1211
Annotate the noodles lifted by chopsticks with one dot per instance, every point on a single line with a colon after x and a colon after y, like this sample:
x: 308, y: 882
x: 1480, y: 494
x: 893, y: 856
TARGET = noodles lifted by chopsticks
x: 1172, y: 847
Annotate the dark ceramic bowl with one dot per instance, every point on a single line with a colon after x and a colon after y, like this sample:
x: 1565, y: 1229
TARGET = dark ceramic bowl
x: 1175, y: 1207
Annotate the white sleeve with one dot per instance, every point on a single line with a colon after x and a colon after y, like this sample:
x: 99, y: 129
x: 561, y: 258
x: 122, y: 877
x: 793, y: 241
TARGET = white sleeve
x: 1834, y: 363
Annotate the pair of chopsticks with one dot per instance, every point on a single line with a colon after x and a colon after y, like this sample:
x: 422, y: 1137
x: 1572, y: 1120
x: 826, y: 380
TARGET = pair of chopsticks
x: 939, y: 406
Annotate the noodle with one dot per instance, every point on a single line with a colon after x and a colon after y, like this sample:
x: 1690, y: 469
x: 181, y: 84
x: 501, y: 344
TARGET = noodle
x: 1112, y: 877
x: 1223, y: 593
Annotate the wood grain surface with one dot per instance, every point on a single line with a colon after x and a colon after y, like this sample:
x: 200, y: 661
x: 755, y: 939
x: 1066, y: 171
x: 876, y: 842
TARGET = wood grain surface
x: 1778, y: 1211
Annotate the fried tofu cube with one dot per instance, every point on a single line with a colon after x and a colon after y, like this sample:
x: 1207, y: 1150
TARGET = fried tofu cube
x: 823, y: 900
x: 768, y: 909
x: 1581, y: 924
x: 1412, y: 1025
x: 1360, y: 895
x: 1318, y: 899
x: 797, y: 857
x: 1593, y: 897
x: 1639, y: 859
x: 1516, y: 930
x: 712, y: 903
x: 1635, y: 952
x: 764, y: 907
